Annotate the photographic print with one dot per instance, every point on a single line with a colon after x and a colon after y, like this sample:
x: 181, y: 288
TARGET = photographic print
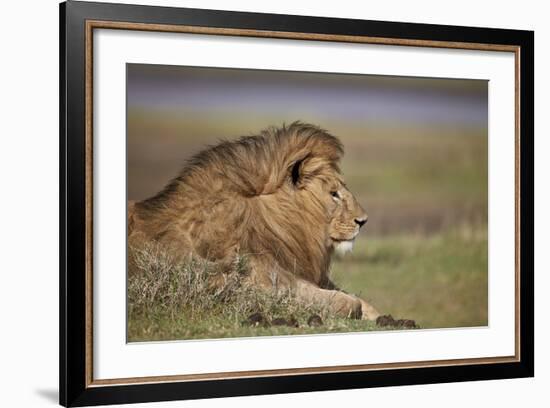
x: 265, y: 203
x: 312, y: 203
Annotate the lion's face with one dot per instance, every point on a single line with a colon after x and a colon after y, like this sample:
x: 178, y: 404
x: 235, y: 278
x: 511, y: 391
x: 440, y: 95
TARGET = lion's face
x: 344, y: 214
x: 347, y: 217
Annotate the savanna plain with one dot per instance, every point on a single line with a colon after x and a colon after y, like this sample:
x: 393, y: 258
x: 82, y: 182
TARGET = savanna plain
x: 422, y: 255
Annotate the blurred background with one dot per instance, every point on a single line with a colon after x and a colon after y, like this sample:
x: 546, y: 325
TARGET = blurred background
x: 415, y: 157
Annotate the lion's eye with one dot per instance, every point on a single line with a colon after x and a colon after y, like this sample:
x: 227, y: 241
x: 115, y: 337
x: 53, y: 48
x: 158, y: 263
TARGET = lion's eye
x: 335, y: 194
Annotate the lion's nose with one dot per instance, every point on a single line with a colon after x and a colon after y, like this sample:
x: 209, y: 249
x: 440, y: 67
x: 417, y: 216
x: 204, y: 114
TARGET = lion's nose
x: 361, y: 221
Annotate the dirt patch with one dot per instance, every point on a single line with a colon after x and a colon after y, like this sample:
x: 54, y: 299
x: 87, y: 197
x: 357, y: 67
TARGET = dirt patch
x: 315, y: 321
x: 389, y: 321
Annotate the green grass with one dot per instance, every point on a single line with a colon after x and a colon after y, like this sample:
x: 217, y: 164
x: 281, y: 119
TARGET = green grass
x: 216, y: 326
x: 439, y: 281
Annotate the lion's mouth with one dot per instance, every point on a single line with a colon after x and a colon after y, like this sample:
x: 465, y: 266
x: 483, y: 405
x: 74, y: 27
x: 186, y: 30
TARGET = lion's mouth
x: 343, y: 238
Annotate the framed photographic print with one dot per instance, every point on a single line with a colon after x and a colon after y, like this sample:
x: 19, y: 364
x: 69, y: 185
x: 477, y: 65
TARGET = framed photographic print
x: 256, y: 203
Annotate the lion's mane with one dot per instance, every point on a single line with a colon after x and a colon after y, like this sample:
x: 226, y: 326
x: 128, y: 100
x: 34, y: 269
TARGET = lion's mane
x: 237, y: 197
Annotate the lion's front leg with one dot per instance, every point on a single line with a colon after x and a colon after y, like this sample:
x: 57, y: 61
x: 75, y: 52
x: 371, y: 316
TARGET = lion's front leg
x: 338, y: 302
x: 265, y: 274
x: 368, y: 311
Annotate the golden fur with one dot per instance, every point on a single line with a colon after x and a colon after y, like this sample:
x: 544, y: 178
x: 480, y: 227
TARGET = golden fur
x: 278, y: 198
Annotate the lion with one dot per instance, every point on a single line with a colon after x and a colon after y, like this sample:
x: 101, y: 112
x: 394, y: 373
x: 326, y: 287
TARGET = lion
x: 278, y: 198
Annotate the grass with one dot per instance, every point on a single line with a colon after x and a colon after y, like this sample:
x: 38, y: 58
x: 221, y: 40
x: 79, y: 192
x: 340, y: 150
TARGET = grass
x: 439, y: 281
x: 171, y: 299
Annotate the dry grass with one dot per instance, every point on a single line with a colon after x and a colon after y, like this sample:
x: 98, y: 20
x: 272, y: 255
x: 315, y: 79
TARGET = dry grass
x: 177, y: 299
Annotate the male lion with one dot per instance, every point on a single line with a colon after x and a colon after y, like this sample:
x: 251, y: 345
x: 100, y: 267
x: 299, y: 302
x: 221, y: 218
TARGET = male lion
x: 277, y: 198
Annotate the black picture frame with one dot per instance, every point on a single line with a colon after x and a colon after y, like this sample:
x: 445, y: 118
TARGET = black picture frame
x: 75, y: 387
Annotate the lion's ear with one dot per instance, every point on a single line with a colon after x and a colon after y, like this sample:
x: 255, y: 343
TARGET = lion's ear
x: 298, y: 172
x: 295, y: 172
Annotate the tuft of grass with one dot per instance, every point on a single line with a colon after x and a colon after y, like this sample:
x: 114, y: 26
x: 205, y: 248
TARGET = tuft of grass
x: 191, y: 298
x: 160, y: 282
